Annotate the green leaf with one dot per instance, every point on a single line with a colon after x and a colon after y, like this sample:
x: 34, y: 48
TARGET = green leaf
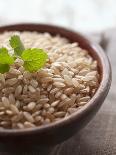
x: 34, y: 59
x: 17, y: 45
x: 4, y: 68
x: 5, y: 57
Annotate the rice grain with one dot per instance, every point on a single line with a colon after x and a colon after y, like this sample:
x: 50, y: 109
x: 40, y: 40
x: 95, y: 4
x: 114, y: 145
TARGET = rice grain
x: 28, y: 117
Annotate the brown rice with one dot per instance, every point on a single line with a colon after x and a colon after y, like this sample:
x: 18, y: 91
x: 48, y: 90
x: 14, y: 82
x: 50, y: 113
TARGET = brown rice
x: 67, y: 82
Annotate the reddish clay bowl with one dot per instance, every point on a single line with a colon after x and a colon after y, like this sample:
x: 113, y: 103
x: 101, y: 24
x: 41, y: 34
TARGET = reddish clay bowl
x: 59, y: 131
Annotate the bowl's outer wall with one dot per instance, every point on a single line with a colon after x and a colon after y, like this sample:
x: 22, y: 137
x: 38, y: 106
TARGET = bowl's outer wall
x: 58, y: 134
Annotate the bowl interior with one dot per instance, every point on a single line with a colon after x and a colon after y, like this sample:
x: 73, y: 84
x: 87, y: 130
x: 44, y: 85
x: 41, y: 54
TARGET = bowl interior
x: 54, y: 30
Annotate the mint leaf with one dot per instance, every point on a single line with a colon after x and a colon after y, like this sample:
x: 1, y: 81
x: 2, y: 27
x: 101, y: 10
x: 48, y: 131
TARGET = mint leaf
x: 5, y: 57
x: 34, y: 59
x: 17, y: 45
x: 4, y: 68
x: 5, y: 60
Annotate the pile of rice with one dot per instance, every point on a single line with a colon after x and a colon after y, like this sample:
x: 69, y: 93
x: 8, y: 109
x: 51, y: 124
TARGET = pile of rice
x: 67, y: 82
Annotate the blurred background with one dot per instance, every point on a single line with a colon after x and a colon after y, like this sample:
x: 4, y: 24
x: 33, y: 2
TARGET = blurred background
x: 81, y: 15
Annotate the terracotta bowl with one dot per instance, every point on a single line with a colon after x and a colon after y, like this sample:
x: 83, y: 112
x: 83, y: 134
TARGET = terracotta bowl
x: 57, y: 132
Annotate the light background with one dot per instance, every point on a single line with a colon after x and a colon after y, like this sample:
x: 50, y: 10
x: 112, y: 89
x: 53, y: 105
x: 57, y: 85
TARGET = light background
x: 81, y: 15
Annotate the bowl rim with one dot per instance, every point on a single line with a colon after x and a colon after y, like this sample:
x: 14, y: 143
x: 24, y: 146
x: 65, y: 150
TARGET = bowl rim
x: 104, y: 84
